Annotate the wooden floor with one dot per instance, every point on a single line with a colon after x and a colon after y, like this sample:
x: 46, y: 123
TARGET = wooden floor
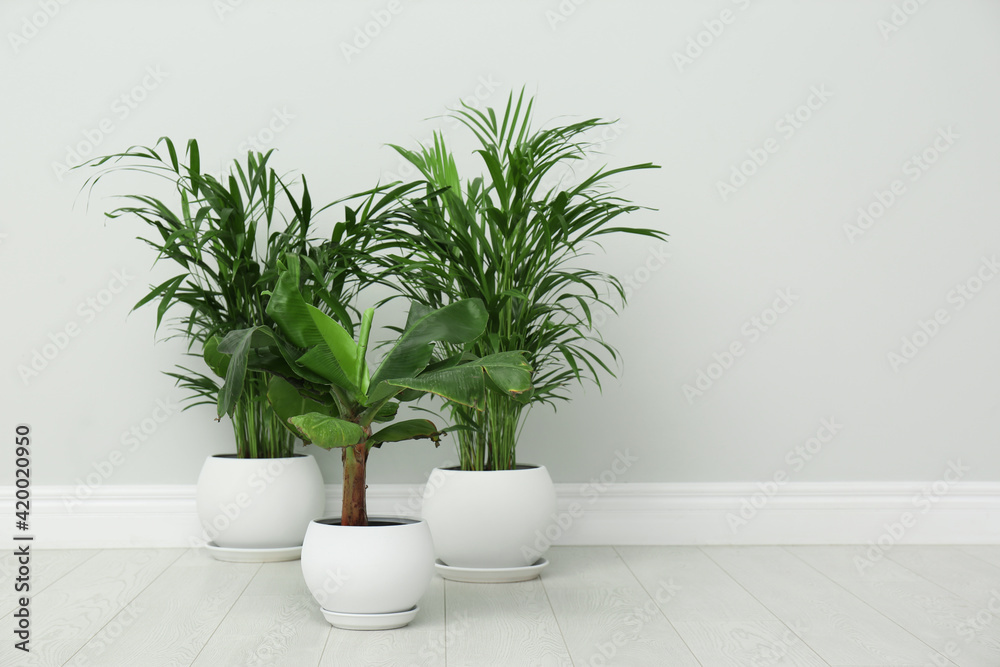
x: 593, y: 606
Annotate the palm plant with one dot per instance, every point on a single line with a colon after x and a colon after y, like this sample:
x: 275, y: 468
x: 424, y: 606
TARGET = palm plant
x: 226, y: 234
x: 321, y: 386
x: 516, y: 243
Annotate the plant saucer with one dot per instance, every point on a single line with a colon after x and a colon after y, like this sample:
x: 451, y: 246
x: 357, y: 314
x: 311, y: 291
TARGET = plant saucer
x: 240, y: 555
x: 490, y: 575
x: 346, y: 621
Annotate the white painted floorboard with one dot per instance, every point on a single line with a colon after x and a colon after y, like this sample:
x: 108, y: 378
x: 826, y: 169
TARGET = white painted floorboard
x: 594, y: 606
x: 842, y: 628
x: 44, y: 571
x: 607, y: 616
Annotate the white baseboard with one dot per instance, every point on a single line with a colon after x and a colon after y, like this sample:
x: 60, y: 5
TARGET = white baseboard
x: 674, y: 514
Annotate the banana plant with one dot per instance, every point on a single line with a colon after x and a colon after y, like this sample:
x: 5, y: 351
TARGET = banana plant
x: 321, y: 387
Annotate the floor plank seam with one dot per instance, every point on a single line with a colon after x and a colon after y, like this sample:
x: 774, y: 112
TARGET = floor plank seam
x: 792, y: 630
x: 931, y: 649
x: 760, y: 602
x: 326, y: 645
x: 124, y: 606
x: 72, y: 569
x: 662, y: 613
x: 555, y: 617
x: 816, y: 605
x: 222, y: 619
x: 444, y: 617
x: 929, y: 581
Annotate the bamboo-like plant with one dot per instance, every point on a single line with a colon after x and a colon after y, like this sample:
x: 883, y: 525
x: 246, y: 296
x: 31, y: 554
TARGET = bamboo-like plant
x: 517, y: 244
x: 321, y: 386
x: 226, y: 234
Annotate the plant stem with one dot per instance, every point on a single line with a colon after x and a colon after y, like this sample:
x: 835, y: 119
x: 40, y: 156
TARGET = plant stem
x: 259, y: 431
x: 354, y: 510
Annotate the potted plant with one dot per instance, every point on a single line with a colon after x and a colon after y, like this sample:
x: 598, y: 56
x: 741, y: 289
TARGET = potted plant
x: 515, y: 239
x: 366, y: 572
x: 225, y: 235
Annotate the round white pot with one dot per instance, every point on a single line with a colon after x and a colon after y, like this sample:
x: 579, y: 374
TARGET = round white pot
x: 382, y: 569
x: 259, y: 503
x: 490, y: 519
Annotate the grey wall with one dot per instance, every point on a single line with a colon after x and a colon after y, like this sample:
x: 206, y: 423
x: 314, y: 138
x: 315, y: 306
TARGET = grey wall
x: 841, y: 99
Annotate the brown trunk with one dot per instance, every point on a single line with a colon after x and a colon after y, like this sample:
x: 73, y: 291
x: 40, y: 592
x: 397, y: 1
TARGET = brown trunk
x: 354, y: 511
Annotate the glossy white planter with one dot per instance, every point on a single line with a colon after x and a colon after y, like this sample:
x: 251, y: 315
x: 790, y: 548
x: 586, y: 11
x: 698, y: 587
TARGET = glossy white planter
x: 259, y: 503
x: 380, y: 571
x: 494, y: 519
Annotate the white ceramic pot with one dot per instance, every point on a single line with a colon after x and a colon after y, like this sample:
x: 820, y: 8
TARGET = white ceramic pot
x: 490, y: 519
x: 259, y: 503
x: 380, y: 570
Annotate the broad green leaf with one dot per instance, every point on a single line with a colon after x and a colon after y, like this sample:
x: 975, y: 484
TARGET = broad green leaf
x: 387, y: 412
x: 508, y: 370
x: 417, y: 312
x: 320, y: 360
x: 270, y: 354
x: 331, y: 351
x: 267, y: 360
x: 375, y: 404
x: 410, y: 429
x: 327, y: 432
x: 339, y: 342
x: 238, y: 344
x: 362, y: 377
x: 287, y: 402
x: 458, y: 323
x: 290, y: 311
x: 466, y: 384
x: 215, y: 360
